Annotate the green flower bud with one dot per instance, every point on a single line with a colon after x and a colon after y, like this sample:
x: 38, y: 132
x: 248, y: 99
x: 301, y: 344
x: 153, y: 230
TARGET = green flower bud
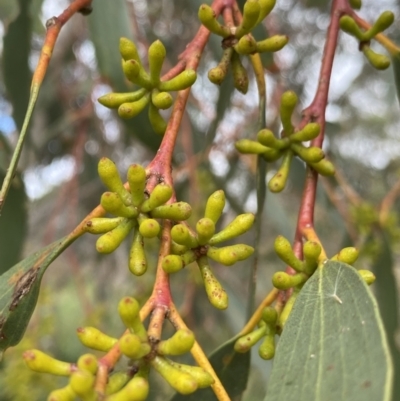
x: 269, y: 315
x: 247, y: 146
x: 95, y: 339
x: 367, y: 276
x: 287, y: 309
x: 156, y: 55
x: 112, y: 203
x: 203, y: 378
x: 383, y: 22
x: 88, y: 362
x: 347, y: 255
x: 266, y: 6
x: 109, y: 175
x: 312, y: 154
x: 215, y: 206
x: 161, y: 100
x: 177, y: 249
x: 137, y: 183
x: 323, y: 167
x: 116, y: 382
x: 137, y: 389
x: 180, y: 343
x: 229, y: 255
x: 157, y: 122
x: 288, y: 103
x: 128, y: 50
x: 137, y: 256
x: 267, y: 138
x: 251, y: 12
x: 355, y: 4
x: 177, y: 211
x: 114, y: 100
x: 240, y: 77
x: 128, y: 309
x: 284, y: 250
x: 62, y: 394
x: 284, y: 281
x: 135, y: 73
x: 278, y: 182
x: 181, y: 235
x: 246, y: 45
x: 267, y: 347
x: 38, y: 361
x: 130, y: 110
x: 348, y: 25
x: 378, y: 61
x: 82, y: 383
x: 111, y: 240
x: 311, y: 252
x: 132, y: 347
x: 243, y: 344
x: 182, y: 81
x: 209, y: 19
x: 216, y: 294
x: 308, y: 133
x: 160, y: 195
x: 272, y: 44
x: 217, y: 75
x: 100, y: 225
x: 149, y: 228
x: 271, y: 155
x: 172, y: 263
x: 205, y: 228
x: 238, y: 226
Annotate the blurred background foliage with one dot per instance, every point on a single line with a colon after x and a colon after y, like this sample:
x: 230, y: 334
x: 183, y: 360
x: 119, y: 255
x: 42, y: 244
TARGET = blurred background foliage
x: 57, y: 183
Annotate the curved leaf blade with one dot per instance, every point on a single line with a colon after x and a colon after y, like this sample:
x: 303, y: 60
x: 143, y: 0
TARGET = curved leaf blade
x: 333, y: 346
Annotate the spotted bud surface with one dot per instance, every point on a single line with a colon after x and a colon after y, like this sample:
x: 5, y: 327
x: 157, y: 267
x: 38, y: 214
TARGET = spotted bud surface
x: 137, y: 183
x: 179, y: 380
x: 112, y: 203
x: 378, y: 61
x: 367, y: 276
x: 323, y: 167
x: 347, y: 255
x: 137, y: 256
x: 114, y: 100
x: 88, y: 362
x: 284, y: 250
x: 266, y: 6
x: 162, y: 100
x: 132, y: 109
x: 180, y: 343
x: 137, y: 389
x: 182, y: 81
x: 267, y: 138
x: 177, y: 211
x: 312, y: 154
x: 82, y: 383
x: 181, y: 235
x: 111, y: 240
x: 243, y: 344
x: 278, y: 182
x: 95, y: 339
x: 311, y: 252
x: 209, y: 19
x: 308, y: 133
x: 284, y: 281
x: 215, y: 206
x: 240, y: 77
x: 172, y: 263
x: 132, y: 347
x: 156, y: 56
x: 205, y: 228
x: 116, y: 382
x: 100, y: 225
x: 247, y: 146
x: 128, y: 50
x: 238, y: 226
x: 43, y: 363
x: 288, y: 103
x: 382, y: 23
x: 128, y: 309
x: 269, y: 315
x: 246, y: 45
x: 229, y: 255
x: 160, y: 194
x: 203, y: 378
x: 149, y: 228
x: 251, y: 12
x: 272, y: 44
x: 62, y: 394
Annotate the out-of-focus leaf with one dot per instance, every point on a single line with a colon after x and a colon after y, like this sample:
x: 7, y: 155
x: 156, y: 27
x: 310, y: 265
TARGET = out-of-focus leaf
x: 396, y: 70
x: 387, y: 297
x: 333, y: 346
x: 231, y: 367
x: 19, y: 290
x: 13, y: 220
x: 8, y: 11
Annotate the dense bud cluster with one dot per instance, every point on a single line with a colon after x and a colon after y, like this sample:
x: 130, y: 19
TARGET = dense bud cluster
x: 153, y: 91
x: 239, y: 41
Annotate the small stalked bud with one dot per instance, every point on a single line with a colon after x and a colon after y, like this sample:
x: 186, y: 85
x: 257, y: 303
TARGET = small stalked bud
x: 284, y: 281
x: 40, y: 362
x: 367, y: 276
x: 137, y: 389
x: 272, y: 155
x: 180, y: 343
x: 128, y: 50
x: 348, y: 25
x: 156, y: 56
x: 267, y: 138
x: 136, y: 74
x: 266, y: 6
x: 283, y: 317
x: 157, y: 122
x: 114, y: 100
x: 355, y: 4
x: 128, y: 309
x: 62, y: 394
x: 112, y: 203
x: 215, y: 205
x: 137, y: 256
x: 229, y: 255
x: 284, y: 250
x: 178, y: 379
x: 269, y: 315
x: 272, y: 44
x: 203, y: 378
x: 88, y: 362
x: 278, y: 182
x: 111, y: 240
x: 312, y: 154
x: 311, y: 252
x: 100, y: 225
x: 177, y: 211
x: 161, y: 100
x: 205, y: 228
x: 149, y: 228
x: 347, y: 255
x: 132, y: 347
x: 181, y: 235
x: 137, y: 183
x: 323, y: 167
x: 246, y: 45
x: 160, y: 194
x: 243, y: 344
x: 82, y: 383
x: 247, y: 146
x: 378, y: 61
x: 267, y: 347
x: 209, y: 19
x: 288, y: 103
x: 308, y: 133
x: 172, y: 263
x: 130, y: 110
x: 217, y: 75
x: 181, y: 81
x: 238, y: 226
x: 95, y: 339
x: 383, y: 22
x: 216, y: 294
x: 109, y: 174
x: 116, y: 382
x: 240, y: 77
x: 251, y: 12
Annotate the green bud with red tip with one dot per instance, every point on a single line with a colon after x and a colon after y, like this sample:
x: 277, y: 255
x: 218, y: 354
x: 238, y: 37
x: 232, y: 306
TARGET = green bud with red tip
x: 132, y: 347
x: 160, y: 195
x: 128, y: 50
x: 311, y: 252
x: 205, y: 229
x: 128, y: 309
x: 101, y: 225
x: 43, y: 363
x: 181, y: 235
x: 180, y: 343
x: 156, y: 56
x: 137, y: 183
x: 149, y: 228
x: 88, y: 362
x: 238, y: 226
x: 95, y: 339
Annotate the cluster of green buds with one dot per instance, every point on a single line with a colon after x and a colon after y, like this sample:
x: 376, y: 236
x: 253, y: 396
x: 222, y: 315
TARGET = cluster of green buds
x: 238, y: 40
x: 134, y: 210
x: 267, y: 330
x: 153, y: 91
x: 350, y: 26
x: 290, y: 144
x: 143, y: 353
x: 197, y: 246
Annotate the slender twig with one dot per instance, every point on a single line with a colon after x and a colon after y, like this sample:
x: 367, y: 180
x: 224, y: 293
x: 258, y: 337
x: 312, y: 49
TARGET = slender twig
x: 388, y: 201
